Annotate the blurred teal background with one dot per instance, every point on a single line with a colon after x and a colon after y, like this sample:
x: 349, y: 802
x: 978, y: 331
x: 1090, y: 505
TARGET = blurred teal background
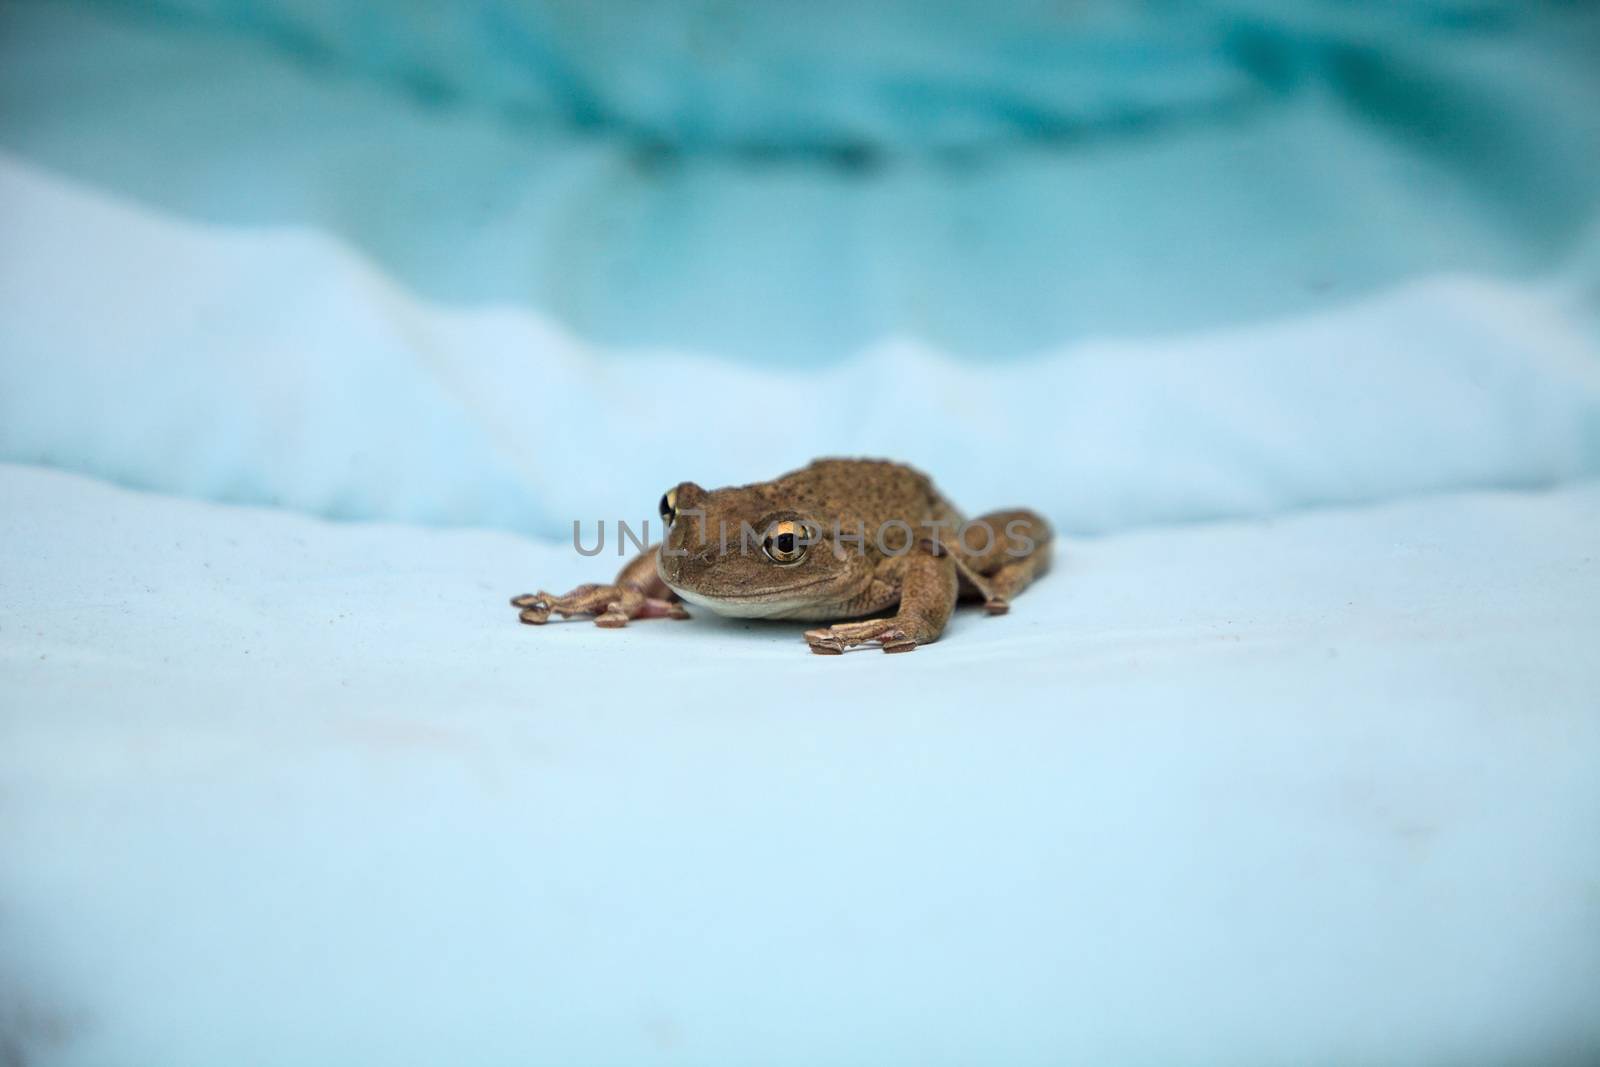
x: 772, y: 182
x: 505, y: 263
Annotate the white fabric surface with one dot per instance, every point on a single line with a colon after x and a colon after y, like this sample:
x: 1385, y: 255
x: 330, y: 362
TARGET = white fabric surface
x: 281, y: 368
x: 1315, y: 789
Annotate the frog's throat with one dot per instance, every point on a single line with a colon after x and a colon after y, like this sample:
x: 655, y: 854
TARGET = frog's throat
x: 767, y: 606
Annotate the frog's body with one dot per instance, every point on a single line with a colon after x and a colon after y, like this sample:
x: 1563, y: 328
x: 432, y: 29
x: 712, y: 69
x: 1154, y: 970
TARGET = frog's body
x: 838, y: 539
x: 848, y: 573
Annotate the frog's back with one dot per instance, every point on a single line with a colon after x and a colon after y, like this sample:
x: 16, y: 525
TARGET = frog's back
x: 869, y: 491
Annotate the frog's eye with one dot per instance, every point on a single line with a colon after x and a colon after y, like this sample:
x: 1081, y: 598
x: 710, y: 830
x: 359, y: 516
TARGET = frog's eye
x: 669, y: 506
x: 786, y: 542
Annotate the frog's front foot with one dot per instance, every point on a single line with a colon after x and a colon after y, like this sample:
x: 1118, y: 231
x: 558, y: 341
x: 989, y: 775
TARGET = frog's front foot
x: 893, y: 635
x: 611, y: 605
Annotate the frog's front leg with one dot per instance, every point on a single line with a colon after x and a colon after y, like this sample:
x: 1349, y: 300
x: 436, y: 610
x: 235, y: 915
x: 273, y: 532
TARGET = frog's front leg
x: 927, y: 596
x: 638, y: 593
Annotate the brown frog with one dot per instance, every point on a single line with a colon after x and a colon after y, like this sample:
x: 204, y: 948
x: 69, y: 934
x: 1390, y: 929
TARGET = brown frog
x: 839, y: 539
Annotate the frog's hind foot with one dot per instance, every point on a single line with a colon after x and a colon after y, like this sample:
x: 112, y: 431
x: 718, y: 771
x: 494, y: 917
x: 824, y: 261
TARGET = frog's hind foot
x: 1015, y: 552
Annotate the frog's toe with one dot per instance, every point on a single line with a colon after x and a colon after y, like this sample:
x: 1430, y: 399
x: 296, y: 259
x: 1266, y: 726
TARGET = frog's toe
x: 899, y: 644
x: 613, y: 617
x: 536, y: 615
x: 997, y: 605
x: 824, y: 642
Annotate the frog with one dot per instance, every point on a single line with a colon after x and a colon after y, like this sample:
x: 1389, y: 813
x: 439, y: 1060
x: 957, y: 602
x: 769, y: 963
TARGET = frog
x: 867, y: 546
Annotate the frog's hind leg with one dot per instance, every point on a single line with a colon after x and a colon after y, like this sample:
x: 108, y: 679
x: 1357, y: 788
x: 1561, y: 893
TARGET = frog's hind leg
x: 927, y: 597
x: 999, y: 554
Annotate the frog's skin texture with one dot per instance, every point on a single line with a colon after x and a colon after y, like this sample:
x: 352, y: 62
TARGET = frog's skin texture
x: 839, y: 539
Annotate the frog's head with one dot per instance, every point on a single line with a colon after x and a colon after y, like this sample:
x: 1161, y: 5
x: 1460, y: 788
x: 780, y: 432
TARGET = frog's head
x: 746, y: 552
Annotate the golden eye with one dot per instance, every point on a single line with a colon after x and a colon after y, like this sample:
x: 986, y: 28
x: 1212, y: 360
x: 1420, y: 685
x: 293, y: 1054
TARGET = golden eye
x: 786, y: 542
x: 669, y: 506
